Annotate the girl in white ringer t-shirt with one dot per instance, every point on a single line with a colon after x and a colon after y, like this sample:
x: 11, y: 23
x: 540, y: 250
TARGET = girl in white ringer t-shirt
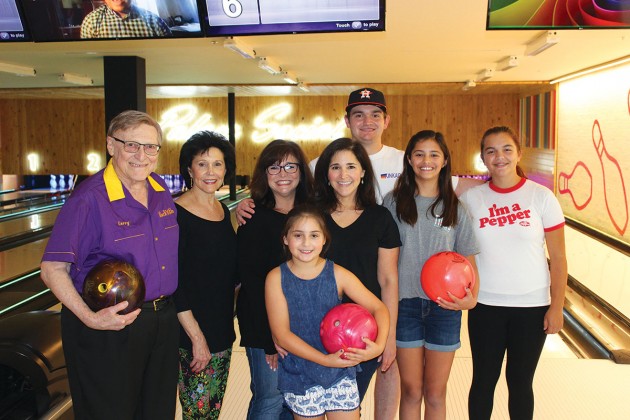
x: 520, y: 297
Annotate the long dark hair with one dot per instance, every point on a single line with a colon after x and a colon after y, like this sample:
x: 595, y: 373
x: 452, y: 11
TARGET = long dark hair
x: 274, y: 153
x: 325, y: 194
x: 306, y: 210
x: 512, y: 135
x: 405, y: 189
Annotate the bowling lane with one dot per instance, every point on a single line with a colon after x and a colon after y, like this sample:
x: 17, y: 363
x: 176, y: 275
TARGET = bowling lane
x: 20, y: 229
x: 10, y: 210
x: 25, y: 197
x: 21, y: 288
x: 22, y: 259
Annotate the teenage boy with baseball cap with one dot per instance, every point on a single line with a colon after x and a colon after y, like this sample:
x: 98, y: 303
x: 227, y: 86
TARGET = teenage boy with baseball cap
x: 367, y: 118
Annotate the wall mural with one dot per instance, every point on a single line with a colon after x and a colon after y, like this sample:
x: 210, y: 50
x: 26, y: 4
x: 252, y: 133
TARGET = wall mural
x: 593, y: 163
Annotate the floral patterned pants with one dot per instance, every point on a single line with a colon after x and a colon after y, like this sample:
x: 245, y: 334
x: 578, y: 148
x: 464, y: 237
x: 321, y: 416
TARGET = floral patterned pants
x: 201, y: 394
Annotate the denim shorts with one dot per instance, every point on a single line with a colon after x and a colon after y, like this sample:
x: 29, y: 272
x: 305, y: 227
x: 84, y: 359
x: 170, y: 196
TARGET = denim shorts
x: 422, y: 323
x: 342, y: 396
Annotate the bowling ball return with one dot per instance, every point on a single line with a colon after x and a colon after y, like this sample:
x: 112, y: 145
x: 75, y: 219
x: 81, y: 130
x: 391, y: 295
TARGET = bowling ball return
x: 345, y: 325
x: 33, y: 375
x: 113, y: 281
x: 444, y: 272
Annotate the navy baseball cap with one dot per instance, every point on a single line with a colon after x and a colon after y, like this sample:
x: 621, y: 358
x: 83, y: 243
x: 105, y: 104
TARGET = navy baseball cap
x: 366, y: 96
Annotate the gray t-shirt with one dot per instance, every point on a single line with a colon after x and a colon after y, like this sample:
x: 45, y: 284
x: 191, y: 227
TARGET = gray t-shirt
x: 426, y: 238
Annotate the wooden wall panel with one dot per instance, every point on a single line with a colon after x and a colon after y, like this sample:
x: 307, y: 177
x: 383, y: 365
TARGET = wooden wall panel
x: 539, y: 165
x: 64, y: 131
x: 461, y: 118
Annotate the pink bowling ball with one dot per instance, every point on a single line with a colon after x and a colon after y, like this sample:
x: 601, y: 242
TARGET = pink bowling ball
x: 345, y: 325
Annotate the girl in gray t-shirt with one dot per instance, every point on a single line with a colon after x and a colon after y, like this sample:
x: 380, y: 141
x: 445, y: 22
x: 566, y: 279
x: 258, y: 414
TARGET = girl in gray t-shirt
x: 430, y: 219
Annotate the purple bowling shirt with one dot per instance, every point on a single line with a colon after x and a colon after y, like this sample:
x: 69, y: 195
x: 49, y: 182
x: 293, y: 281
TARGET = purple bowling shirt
x: 101, y: 220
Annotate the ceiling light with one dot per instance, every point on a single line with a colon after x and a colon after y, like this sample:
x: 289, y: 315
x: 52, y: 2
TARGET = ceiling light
x: 17, y: 70
x: 592, y: 69
x: 485, y: 75
x: 540, y: 44
x: 289, y: 77
x: 239, y: 47
x: 76, y: 79
x: 303, y: 87
x: 268, y: 66
x: 469, y: 85
x: 507, y: 63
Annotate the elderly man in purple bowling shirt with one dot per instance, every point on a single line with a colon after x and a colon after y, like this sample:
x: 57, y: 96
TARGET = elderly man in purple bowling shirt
x: 119, y: 366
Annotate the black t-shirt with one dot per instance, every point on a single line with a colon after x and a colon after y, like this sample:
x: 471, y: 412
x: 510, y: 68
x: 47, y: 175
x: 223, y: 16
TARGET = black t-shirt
x: 259, y: 251
x: 355, y: 247
x: 207, y: 277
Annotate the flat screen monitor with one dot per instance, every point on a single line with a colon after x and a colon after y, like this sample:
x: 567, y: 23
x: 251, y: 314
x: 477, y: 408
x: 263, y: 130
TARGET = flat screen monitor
x: 12, y: 27
x: 554, y: 14
x: 63, y: 20
x: 262, y: 17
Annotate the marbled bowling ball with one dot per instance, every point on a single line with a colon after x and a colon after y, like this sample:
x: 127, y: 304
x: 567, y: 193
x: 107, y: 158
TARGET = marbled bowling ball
x: 111, y: 282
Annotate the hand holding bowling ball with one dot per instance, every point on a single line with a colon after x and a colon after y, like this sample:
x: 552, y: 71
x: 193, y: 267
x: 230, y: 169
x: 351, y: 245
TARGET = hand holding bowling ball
x: 111, y: 282
x: 447, y: 272
x: 345, y: 325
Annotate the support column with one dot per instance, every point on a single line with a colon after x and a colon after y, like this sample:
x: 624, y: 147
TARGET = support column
x: 232, y: 137
x: 125, y: 85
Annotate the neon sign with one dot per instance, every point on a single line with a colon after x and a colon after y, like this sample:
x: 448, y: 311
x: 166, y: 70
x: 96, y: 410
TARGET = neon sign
x: 268, y: 126
x: 33, y: 162
x: 94, y: 162
x: 478, y: 163
x: 181, y: 121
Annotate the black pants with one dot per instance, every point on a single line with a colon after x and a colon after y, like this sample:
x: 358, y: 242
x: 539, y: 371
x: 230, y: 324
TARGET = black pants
x: 493, y: 330
x: 127, y: 374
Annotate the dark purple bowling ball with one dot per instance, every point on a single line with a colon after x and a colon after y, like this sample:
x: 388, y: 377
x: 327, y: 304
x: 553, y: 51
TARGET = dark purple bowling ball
x: 111, y: 282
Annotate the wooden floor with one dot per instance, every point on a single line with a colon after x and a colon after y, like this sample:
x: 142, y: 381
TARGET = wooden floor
x: 566, y: 388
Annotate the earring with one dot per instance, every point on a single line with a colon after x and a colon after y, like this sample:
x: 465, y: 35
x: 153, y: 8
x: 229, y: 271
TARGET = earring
x: 361, y: 180
x: 329, y: 183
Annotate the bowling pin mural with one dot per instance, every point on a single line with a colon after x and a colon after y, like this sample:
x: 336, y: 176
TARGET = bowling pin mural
x: 581, y: 180
x: 614, y: 187
x: 592, y: 160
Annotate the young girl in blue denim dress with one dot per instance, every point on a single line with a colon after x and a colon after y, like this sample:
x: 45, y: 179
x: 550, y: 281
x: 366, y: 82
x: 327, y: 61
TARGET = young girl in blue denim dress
x: 298, y: 294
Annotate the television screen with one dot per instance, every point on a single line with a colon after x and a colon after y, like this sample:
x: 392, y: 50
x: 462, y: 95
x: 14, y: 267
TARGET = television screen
x: 553, y: 14
x: 11, y: 24
x: 60, y: 20
x: 260, y: 17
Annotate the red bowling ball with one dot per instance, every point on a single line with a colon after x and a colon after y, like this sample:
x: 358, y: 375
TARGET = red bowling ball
x: 111, y: 282
x: 344, y: 326
x: 447, y: 272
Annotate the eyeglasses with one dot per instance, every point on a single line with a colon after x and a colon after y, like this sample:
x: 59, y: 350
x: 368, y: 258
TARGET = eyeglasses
x: 134, y: 146
x: 289, y: 168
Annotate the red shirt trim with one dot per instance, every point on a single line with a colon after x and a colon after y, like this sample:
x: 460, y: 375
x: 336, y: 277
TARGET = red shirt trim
x: 499, y: 190
x: 556, y: 227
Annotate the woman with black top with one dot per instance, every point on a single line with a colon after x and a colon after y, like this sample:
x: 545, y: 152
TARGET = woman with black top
x: 365, y: 238
x: 281, y: 180
x: 207, y: 276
